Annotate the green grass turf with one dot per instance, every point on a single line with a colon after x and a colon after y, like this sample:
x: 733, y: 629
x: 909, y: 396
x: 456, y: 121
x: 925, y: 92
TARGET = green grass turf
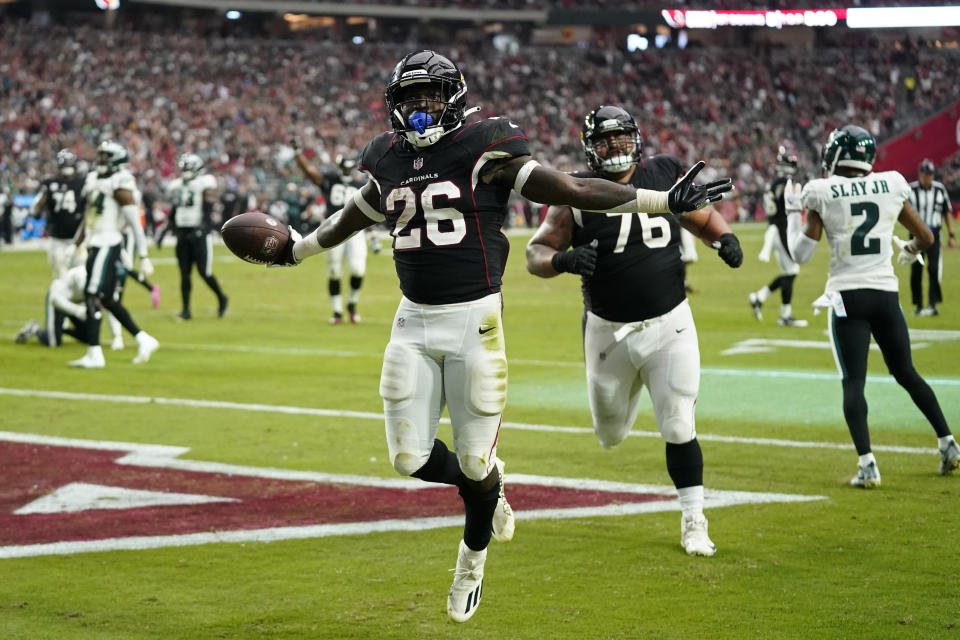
x: 858, y: 564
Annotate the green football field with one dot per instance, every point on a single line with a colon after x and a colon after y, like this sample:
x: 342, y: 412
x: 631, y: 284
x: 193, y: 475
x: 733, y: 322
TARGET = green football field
x: 274, y: 399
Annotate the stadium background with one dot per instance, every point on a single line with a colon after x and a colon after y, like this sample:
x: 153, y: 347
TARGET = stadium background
x: 165, y: 78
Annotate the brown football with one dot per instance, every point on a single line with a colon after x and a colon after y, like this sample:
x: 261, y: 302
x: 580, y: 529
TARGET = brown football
x: 255, y: 237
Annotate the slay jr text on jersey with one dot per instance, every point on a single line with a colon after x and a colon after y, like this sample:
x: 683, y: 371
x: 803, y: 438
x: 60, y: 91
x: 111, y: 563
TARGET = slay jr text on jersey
x: 858, y: 188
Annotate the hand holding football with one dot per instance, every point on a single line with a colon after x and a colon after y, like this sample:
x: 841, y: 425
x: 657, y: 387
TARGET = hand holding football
x: 255, y: 237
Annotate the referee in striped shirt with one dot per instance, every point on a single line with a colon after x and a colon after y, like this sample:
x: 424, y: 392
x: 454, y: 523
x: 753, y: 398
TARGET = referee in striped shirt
x: 932, y: 203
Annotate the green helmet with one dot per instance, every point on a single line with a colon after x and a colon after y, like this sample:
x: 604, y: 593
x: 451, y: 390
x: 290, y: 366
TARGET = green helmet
x: 849, y: 146
x: 111, y: 157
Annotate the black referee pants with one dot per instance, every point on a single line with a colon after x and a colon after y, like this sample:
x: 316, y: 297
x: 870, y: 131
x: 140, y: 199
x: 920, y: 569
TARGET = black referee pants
x: 932, y: 257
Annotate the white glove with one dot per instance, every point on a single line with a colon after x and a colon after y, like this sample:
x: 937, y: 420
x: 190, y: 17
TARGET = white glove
x: 146, y: 267
x: 908, y: 254
x: 791, y: 196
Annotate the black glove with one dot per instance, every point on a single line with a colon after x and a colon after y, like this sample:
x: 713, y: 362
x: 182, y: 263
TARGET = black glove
x: 685, y: 196
x: 285, y: 258
x: 295, y: 144
x: 729, y: 250
x: 582, y: 260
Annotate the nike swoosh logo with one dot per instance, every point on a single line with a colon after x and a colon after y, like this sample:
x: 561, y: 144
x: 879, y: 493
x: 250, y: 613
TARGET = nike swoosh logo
x: 488, y: 329
x: 681, y: 330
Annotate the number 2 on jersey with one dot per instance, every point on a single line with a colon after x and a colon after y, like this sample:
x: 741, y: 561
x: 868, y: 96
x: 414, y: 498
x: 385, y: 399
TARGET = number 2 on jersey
x: 859, y: 245
x: 648, y: 225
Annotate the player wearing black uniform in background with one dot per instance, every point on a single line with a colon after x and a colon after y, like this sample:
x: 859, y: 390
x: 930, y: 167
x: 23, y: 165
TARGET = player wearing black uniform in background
x: 193, y: 195
x: 442, y: 186
x: 637, y: 324
x: 61, y: 201
x: 775, y: 241
x: 338, y: 187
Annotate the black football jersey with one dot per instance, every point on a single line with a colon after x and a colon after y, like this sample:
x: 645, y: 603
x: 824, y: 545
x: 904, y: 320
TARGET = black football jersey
x: 639, y: 274
x: 64, y: 206
x: 446, y: 222
x: 779, y: 218
x: 338, y: 190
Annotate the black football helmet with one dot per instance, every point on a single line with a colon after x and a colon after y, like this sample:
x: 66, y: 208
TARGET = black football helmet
x: 787, y: 162
x: 431, y: 73
x: 849, y: 146
x: 67, y: 163
x: 346, y: 164
x: 603, y: 120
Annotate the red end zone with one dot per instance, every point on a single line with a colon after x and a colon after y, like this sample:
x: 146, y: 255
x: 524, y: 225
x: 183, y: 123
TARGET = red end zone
x: 62, y: 495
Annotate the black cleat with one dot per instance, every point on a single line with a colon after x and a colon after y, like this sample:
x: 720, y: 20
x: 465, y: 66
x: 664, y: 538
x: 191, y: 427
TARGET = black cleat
x: 222, y: 309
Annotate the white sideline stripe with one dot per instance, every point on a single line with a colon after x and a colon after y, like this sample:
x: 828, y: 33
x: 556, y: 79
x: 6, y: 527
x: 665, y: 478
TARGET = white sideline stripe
x: 365, y: 415
x: 712, y: 499
x: 566, y: 364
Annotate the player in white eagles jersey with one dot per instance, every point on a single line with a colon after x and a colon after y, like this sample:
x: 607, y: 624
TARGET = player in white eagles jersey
x: 193, y: 195
x: 858, y: 210
x: 111, y: 196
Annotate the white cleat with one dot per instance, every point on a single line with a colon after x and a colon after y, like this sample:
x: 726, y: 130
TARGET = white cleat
x: 949, y: 458
x: 868, y: 476
x: 503, y: 523
x: 117, y: 344
x: 694, y: 538
x: 146, y: 346
x: 467, y: 587
x: 88, y: 361
x: 755, y: 305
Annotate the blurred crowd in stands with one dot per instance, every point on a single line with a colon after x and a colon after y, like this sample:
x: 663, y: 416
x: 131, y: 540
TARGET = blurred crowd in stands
x: 237, y: 102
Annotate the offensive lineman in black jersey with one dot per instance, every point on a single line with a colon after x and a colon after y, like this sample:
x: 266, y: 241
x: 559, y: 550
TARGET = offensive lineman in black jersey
x: 637, y: 325
x: 338, y: 187
x: 775, y: 241
x: 442, y: 186
x: 62, y: 202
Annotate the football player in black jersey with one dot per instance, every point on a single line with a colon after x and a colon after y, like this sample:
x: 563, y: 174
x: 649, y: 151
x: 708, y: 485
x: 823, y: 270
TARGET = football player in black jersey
x: 61, y: 201
x: 775, y: 241
x: 338, y: 186
x: 638, y: 327
x: 442, y: 185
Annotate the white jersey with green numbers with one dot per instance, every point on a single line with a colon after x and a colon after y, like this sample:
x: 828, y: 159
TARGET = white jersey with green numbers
x: 103, y: 219
x: 858, y: 216
x: 188, y: 198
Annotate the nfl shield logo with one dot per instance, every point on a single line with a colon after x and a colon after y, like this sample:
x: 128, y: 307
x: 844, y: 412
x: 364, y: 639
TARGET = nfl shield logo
x: 418, y: 164
x: 401, y: 321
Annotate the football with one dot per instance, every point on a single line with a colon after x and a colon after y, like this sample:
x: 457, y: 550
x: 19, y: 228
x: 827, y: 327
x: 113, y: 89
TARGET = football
x: 255, y: 237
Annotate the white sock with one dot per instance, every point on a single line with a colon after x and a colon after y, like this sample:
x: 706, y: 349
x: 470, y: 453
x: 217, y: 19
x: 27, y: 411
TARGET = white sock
x: 945, y: 441
x: 354, y: 296
x: 141, y: 336
x: 763, y: 294
x: 866, y: 459
x: 691, y: 500
x: 786, y: 310
x: 337, y: 303
x: 96, y: 351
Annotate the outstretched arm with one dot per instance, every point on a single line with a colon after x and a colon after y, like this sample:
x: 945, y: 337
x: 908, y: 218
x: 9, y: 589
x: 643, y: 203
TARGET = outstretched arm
x: 357, y: 214
x: 540, y: 184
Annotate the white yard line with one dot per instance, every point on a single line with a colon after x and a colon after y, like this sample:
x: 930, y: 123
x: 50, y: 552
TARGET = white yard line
x: 365, y: 415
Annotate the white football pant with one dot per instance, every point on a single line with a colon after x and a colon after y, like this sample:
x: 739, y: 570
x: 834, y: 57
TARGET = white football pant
x: 445, y: 355
x: 356, y: 251
x: 622, y: 357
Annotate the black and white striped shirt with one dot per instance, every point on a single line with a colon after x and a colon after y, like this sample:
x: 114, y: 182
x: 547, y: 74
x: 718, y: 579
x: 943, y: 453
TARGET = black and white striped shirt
x: 931, y: 204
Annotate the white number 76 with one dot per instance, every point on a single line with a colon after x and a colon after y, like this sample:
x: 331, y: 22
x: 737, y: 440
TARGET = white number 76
x: 647, y: 225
